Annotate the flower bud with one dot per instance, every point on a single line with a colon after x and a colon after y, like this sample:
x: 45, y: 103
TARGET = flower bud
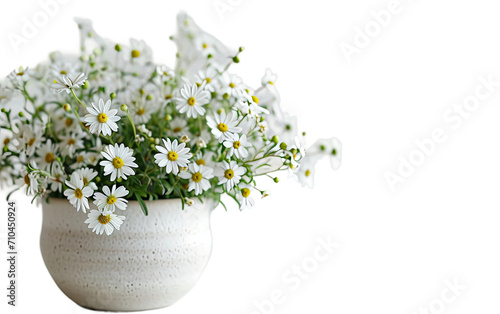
x: 236, y: 59
x: 21, y: 114
x: 119, y: 180
x: 276, y: 179
x: 283, y: 146
x: 149, y: 97
x: 67, y: 107
x: 124, y: 108
x: 275, y: 139
x: 168, y: 117
x: 118, y: 48
x: 185, y: 139
x: 112, y: 96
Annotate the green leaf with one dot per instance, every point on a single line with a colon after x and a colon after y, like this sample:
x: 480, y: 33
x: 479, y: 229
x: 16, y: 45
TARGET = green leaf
x: 143, y: 205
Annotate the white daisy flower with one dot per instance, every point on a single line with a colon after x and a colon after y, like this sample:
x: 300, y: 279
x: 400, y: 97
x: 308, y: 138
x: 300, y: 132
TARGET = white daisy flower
x: 229, y: 174
x: 47, y: 154
x: 111, y: 199
x: 140, y: 51
x: 101, y: 118
x: 77, y: 194
x: 269, y: 77
x: 305, y: 173
x: 205, y: 158
x: 223, y: 126
x: 56, y: 182
x: 70, y: 143
x: 172, y: 156
x: 119, y: 161
x: 251, y: 106
x: 103, y: 221
x: 244, y: 196
x: 79, y: 162
x: 87, y: 176
x: 237, y: 146
x: 192, y: 101
x: 141, y: 111
x: 28, y: 139
x: 65, y: 83
x: 206, y: 78
x: 92, y: 158
x: 19, y: 76
x: 165, y: 72
x: 178, y: 127
x: 198, y: 176
x: 232, y: 85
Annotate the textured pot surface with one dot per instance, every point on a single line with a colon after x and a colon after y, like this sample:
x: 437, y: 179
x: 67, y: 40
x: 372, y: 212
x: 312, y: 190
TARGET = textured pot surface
x: 151, y: 262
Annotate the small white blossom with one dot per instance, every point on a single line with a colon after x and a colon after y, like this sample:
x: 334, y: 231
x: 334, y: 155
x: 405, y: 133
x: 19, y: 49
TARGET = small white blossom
x: 101, y: 118
x: 77, y: 194
x: 66, y: 84
x: 119, y: 161
x: 172, y: 156
x: 229, y: 174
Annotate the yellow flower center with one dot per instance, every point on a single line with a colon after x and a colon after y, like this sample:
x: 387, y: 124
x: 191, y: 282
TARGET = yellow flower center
x: 78, y: 193
x: 222, y: 127
x: 117, y: 162
x: 229, y: 174
x: 49, y: 158
x: 236, y: 144
x: 197, y: 177
x: 204, y: 46
x: 208, y: 80
x: 102, y: 118
x: 68, y: 122
x: 168, y: 96
x: 104, y: 219
x: 31, y: 141
x: 27, y: 180
x: 79, y: 159
x: 135, y: 53
x: 255, y: 99
x: 245, y: 192
x: 20, y: 73
x: 141, y: 111
x: 200, y: 162
x: 308, y: 172
x: 111, y: 200
x: 63, y: 72
x: 191, y: 101
x: 172, y: 156
x: 71, y: 141
x: 232, y: 85
x: 177, y: 129
x: 85, y: 181
x: 6, y: 141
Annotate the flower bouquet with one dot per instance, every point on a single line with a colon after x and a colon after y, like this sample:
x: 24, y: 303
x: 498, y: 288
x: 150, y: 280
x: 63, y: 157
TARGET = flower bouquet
x: 109, y: 127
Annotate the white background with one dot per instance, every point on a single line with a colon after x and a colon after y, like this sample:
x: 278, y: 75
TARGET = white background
x: 397, y: 248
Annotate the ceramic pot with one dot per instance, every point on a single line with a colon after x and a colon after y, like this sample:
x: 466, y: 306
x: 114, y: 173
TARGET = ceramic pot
x: 151, y: 262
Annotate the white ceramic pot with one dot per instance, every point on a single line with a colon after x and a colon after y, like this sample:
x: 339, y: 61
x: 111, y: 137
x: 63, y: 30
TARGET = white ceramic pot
x: 151, y: 262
